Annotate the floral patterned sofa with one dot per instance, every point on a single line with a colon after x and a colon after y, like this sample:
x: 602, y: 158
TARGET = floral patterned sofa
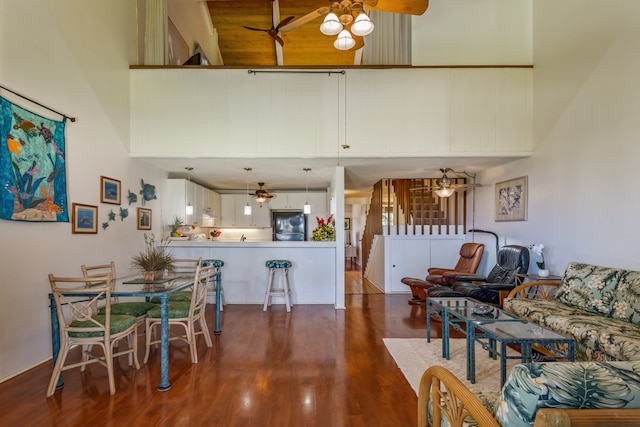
x: 536, y: 394
x: 598, y: 306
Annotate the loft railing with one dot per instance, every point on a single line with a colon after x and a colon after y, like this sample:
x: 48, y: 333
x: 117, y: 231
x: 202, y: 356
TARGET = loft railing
x: 411, y: 207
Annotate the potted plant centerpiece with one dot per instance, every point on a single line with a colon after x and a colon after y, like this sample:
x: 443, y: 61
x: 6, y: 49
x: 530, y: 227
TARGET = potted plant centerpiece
x: 154, y: 260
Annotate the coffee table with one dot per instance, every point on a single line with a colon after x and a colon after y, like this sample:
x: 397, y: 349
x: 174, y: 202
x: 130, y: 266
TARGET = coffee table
x: 523, y: 334
x: 454, y: 311
x: 491, y: 328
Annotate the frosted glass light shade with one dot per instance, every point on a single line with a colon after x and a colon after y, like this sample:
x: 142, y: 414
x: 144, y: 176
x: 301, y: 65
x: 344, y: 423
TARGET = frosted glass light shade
x: 331, y: 25
x: 261, y: 199
x: 307, y: 208
x: 445, y: 192
x: 189, y: 209
x: 247, y: 209
x: 344, y: 41
x: 362, y: 26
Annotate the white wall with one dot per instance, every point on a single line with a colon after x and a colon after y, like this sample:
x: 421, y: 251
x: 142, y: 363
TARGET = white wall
x: 584, y: 192
x: 74, y: 56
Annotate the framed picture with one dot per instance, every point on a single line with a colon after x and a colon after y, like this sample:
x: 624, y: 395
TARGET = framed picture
x: 347, y: 223
x: 84, y: 219
x: 109, y: 190
x: 144, y: 219
x: 511, y: 200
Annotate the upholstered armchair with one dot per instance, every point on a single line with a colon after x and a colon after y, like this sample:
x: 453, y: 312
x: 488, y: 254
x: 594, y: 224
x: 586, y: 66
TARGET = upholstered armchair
x: 511, y: 260
x: 470, y: 256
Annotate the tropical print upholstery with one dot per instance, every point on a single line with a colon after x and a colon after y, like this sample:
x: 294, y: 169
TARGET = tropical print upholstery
x: 597, y: 337
x: 589, y: 287
x: 598, y: 306
x: 278, y: 263
x: 578, y: 385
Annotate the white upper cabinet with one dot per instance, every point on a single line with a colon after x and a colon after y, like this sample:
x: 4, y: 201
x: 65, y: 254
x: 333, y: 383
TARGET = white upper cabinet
x: 233, y: 212
x: 296, y: 201
x: 181, y: 193
x: 403, y: 112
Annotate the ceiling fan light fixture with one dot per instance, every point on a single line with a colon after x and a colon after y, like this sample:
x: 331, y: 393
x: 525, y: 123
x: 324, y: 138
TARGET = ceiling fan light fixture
x: 445, y: 192
x: 261, y: 199
x: 344, y: 41
x: 363, y: 25
x: 331, y: 25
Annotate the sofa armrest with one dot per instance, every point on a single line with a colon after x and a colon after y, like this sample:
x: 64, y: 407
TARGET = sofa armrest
x: 448, y: 397
x: 544, y: 290
x: 555, y: 417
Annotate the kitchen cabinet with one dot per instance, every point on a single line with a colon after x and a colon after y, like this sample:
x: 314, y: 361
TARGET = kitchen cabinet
x: 233, y: 212
x: 181, y: 192
x: 317, y: 200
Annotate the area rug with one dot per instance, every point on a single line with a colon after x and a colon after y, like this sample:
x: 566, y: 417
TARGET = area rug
x: 414, y: 355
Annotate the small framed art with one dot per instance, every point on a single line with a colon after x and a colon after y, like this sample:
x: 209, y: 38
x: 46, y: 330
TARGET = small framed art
x: 347, y: 223
x: 144, y: 219
x: 109, y: 190
x: 511, y: 200
x: 84, y: 219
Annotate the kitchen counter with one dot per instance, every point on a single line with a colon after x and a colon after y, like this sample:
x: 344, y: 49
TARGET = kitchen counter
x: 249, y: 244
x: 315, y: 277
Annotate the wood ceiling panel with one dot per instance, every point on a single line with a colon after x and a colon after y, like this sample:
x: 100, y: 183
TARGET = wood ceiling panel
x: 304, y: 46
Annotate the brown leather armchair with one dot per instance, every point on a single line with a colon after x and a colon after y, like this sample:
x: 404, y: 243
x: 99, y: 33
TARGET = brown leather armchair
x: 470, y: 256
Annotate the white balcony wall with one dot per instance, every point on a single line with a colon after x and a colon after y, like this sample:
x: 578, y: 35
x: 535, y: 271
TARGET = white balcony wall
x: 394, y: 112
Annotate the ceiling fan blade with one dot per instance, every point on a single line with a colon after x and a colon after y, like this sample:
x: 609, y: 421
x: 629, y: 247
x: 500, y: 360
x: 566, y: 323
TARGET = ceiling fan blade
x: 304, y: 19
x: 255, y: 29
x: 284, y: 22
x: 279, y: 40
x: 406, y: 7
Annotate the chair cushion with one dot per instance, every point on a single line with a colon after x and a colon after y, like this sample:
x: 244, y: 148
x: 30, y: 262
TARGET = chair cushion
x: 119, y: 323
x: 134, y: 308
x: 589, y: 287
x: 626, y: 303
x: 216, y: 263
x: 278, y: 263
x: 177, y: 310
x: 182, y: 296
x: 577, y: 385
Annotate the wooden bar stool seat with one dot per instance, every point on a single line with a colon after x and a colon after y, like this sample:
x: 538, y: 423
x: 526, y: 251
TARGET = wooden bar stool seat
x: 283, y: 266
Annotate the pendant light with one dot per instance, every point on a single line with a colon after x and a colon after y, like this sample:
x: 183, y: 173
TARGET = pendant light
x: 247, y: 208
x: 307, y: 206
x: 189, y: 209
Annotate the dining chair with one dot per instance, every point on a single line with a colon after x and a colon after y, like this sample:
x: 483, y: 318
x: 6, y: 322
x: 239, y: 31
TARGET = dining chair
x: 137, y: 309
x: 183, y: 267
x: 80, y: 325
x: 188, y: 315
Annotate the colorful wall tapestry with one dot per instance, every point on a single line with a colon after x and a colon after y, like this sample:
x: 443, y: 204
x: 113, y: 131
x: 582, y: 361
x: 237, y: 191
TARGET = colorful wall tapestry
x: 33, y: 183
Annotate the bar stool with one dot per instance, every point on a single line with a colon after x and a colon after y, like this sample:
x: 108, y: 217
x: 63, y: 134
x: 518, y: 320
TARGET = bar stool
x: 217, y: 267
x: 282, y: 265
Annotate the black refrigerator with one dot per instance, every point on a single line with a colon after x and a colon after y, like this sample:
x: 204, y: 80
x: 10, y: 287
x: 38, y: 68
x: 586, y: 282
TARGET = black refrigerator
x: 289, y: 225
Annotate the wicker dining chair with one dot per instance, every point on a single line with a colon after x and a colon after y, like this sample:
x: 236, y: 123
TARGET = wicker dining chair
x: 80, y: 325
x: 183, y: 267
x: 185, y: 314
x: 137, y: 309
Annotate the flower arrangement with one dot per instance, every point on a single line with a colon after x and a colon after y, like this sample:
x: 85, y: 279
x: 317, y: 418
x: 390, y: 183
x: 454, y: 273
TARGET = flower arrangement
x: 325, y: 229
x: 538, y: 249
x: 154, y: 258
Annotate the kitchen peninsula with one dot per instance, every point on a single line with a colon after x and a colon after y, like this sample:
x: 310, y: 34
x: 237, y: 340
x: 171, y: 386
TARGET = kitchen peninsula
x: 244, y: 275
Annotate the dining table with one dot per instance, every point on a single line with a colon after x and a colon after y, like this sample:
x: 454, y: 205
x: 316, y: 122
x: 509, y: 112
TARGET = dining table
x: 134, y: 286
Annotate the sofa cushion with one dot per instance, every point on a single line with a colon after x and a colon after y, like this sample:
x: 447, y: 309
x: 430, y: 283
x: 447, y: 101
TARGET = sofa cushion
x: 578, y: 385
x: 589, y: 287
x: 626, y: 303
x: 594, y: 335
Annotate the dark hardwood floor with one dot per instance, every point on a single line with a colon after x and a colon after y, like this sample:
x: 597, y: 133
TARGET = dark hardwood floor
x: 315, y: 366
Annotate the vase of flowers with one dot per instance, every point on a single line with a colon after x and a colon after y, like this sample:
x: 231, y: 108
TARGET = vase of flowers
x: 154, y: 260
x: 538, y: 249
x: 325, y: 229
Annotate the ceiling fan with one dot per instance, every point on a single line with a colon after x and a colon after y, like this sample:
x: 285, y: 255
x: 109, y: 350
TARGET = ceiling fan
x: 446, y: 186
x: 262, y: 195
x: 274, y: 30
x: 348, y: 10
